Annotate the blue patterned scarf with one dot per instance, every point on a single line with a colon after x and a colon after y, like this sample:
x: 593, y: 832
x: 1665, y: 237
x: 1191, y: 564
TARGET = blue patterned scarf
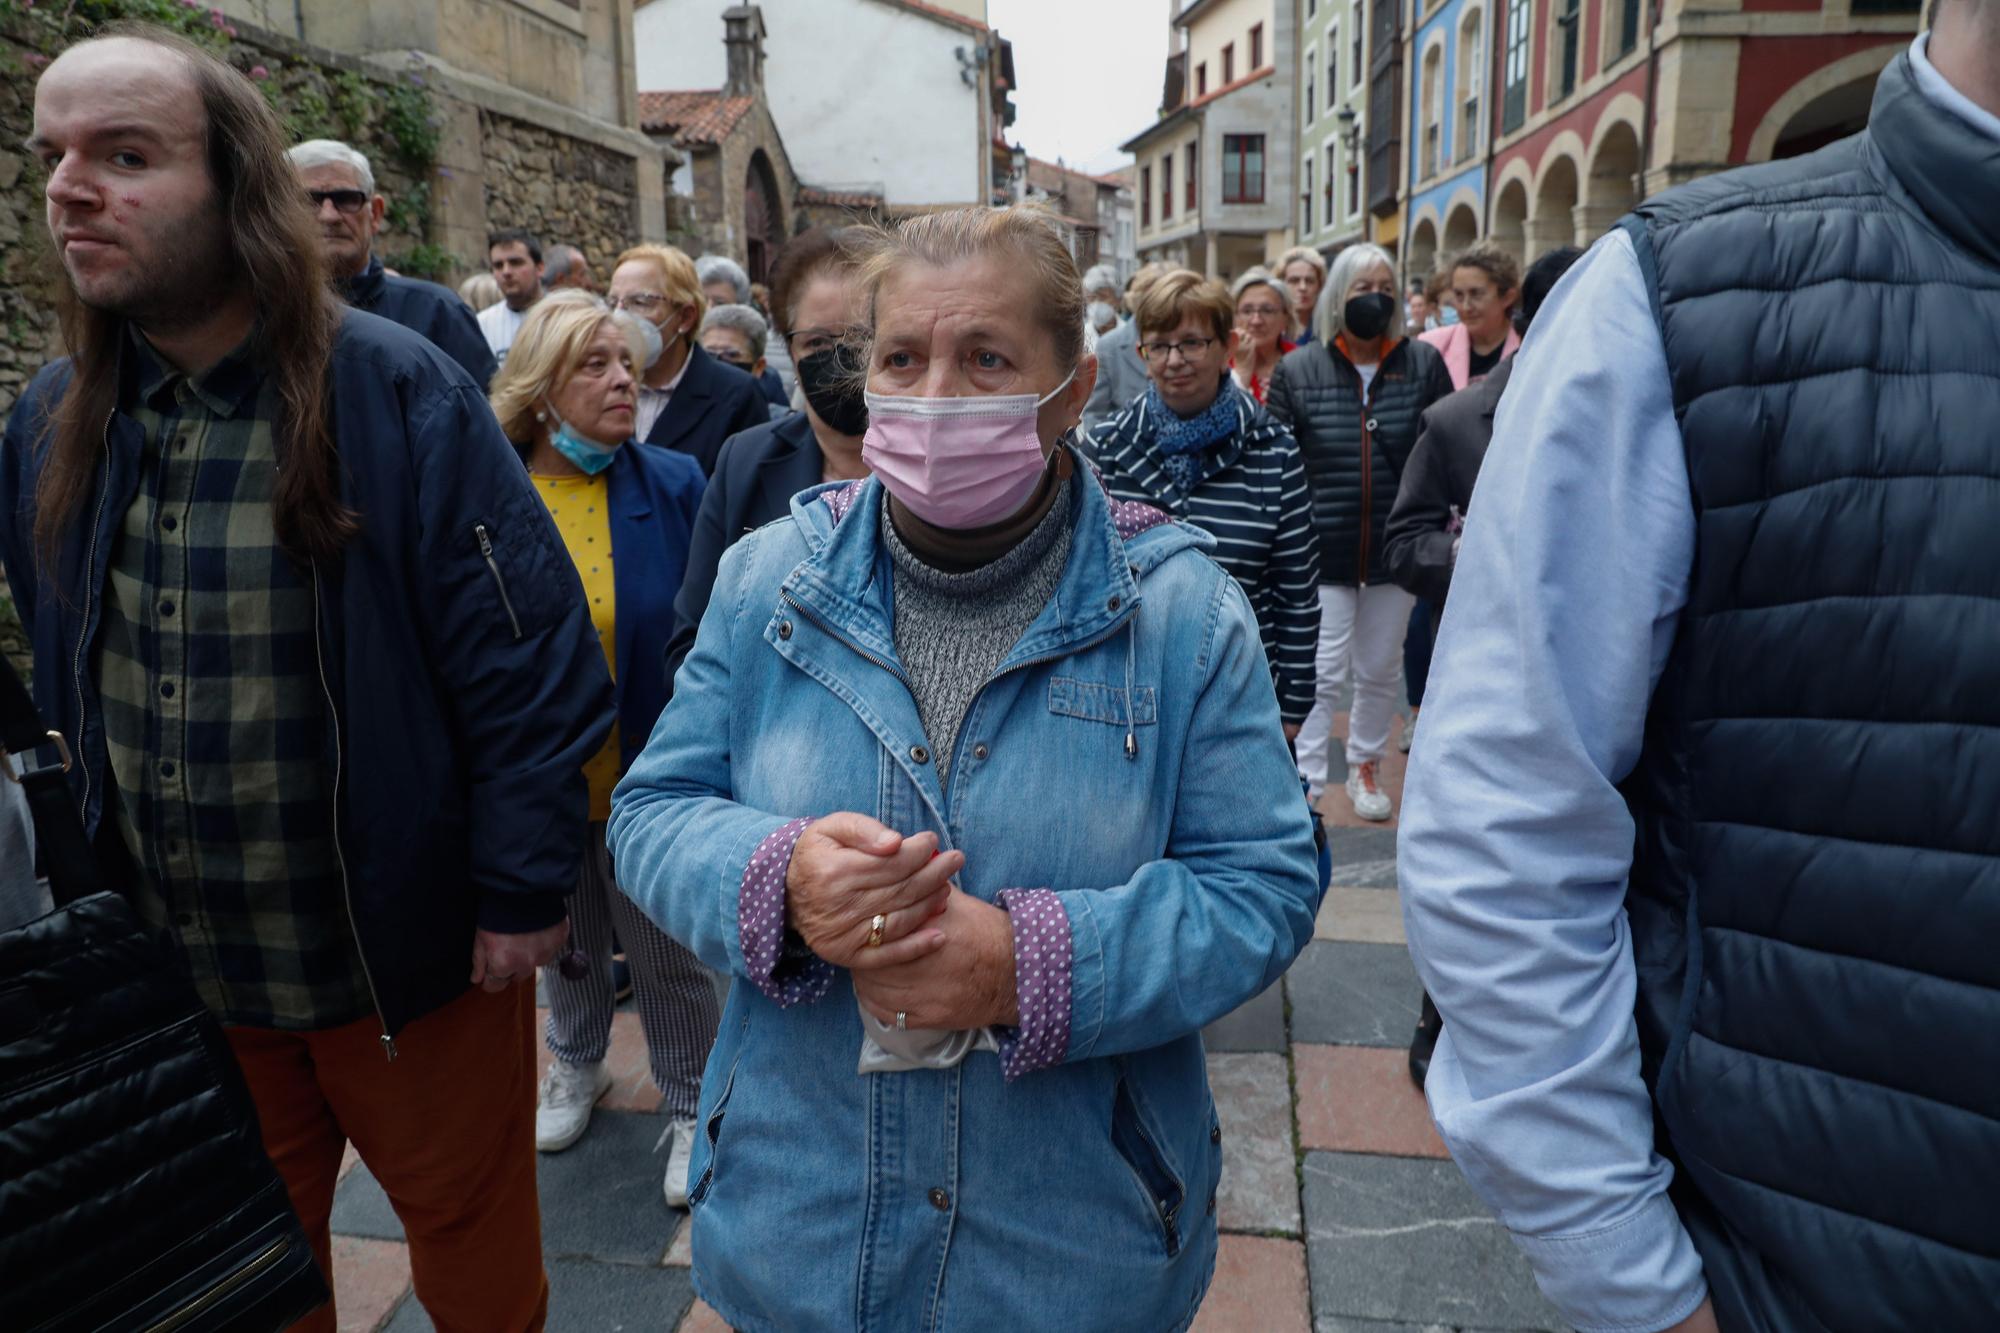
x: 1182, y: 440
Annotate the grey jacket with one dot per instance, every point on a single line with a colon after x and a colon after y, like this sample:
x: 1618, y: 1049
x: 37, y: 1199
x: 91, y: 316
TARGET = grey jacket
x: 1121, y: 376
x: 1451, y: 444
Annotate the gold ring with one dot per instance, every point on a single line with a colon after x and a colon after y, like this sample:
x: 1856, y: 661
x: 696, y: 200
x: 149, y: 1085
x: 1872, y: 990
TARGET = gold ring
x: 875, y: 929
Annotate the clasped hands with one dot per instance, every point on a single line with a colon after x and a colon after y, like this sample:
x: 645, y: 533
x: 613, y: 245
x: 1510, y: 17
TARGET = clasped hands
x: 945, y: 960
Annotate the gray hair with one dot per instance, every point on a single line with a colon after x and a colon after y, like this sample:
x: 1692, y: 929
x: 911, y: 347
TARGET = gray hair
x: 1262, y: 277
x: 1348, y: 265
x: 334, y: 153
x: 561, y: 259
x: 721, y: 268
x: 743, y: 320
x: 1100, y: 278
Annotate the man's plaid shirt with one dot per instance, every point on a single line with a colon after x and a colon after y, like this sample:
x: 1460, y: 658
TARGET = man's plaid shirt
x: 214, y: 709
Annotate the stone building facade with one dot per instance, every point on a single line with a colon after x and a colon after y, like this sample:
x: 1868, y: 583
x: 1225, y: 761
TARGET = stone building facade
x: 736, y: 180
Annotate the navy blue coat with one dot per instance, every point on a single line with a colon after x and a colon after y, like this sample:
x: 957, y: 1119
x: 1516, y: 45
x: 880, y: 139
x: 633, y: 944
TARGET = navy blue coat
x: 466, y: 695
x: 655, y: 496
x: 754, y: 482
x: 773, y: 390
x: 434, y: 311
x: 712, y: 403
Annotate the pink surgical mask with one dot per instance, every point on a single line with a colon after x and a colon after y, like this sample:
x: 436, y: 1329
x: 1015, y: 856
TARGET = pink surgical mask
x: 957, y: 462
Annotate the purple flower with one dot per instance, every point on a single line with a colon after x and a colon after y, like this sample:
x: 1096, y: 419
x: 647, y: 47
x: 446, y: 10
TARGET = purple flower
x: 230, y: 28
x: 259, y: 73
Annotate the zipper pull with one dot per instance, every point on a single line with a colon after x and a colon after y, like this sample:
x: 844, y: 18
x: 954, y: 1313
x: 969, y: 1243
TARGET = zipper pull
x: 485, y: 543
x: 388, y: 1047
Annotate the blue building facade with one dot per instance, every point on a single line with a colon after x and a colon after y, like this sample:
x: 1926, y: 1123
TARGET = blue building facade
x: 1449, y: 123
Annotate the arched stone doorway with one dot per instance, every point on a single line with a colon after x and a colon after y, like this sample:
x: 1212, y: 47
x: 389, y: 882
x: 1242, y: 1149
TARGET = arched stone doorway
x: 1510, y: 220
x: 1614, y: 182
x: 763, y: 218
x: 1421, y: 256
x: 1460, y: 229
x: 1553, y: 222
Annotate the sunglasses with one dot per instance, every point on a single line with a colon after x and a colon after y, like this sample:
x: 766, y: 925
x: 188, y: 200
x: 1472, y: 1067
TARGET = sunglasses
x: 345, y: 201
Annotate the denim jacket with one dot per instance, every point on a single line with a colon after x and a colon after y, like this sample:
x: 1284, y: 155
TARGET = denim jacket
x: 1127, y: 754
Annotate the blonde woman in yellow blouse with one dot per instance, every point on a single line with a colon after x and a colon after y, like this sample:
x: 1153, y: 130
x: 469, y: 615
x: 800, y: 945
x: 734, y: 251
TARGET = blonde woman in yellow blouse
x: 626, y: 511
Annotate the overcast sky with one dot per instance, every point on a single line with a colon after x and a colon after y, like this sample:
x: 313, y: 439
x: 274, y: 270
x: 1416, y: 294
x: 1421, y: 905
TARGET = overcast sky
x: 1089, y: 73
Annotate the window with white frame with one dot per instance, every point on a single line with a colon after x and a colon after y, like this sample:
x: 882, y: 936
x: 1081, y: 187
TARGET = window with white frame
x: 1332, y: 67
x: 1430, y: 110
x: 1306, y: 199
x: 1311, y: 98
x: 1359, y: 32
x: 1514, y: 108
x: 1471, y: 64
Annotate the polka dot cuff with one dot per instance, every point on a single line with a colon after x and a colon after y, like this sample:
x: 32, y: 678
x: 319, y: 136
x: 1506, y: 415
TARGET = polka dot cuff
x: 1041, y: 982
x: 788, y: 975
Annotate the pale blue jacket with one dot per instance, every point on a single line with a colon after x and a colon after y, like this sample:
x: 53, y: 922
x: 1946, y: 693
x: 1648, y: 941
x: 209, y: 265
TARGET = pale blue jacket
x: 1077, y: 1197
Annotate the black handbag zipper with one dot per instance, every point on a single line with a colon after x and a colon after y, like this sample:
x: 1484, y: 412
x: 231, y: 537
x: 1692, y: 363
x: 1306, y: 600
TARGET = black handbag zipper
x: 194, y: 1309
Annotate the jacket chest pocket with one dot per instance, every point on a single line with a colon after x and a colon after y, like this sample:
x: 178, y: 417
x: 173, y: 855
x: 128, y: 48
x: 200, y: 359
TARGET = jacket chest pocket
x: 1089, y: 701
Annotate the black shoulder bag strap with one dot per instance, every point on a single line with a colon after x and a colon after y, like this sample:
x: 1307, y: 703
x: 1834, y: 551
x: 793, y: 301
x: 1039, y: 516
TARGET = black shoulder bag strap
x: 39, y: 760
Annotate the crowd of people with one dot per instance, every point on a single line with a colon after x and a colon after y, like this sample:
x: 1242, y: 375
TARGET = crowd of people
x: 943, y: 647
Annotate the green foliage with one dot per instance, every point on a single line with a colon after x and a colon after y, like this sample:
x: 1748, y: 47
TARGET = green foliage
x: 411, y: 121
x: 428, y: 261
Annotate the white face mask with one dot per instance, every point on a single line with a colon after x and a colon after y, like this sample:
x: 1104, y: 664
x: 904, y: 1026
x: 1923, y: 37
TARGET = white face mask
x: 1102, y: 314
x: 649, y: 335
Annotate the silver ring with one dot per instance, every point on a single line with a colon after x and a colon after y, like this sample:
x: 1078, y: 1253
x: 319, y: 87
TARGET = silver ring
x: 902, y: 1021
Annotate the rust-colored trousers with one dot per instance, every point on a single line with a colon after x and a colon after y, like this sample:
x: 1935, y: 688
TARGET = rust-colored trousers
x: 449, y: 1131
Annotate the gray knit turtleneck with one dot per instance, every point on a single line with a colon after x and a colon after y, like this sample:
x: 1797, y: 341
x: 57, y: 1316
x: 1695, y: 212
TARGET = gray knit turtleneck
x: 953, y: 630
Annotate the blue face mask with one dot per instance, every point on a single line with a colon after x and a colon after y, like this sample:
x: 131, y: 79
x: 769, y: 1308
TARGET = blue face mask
x: 588, y: 455
x: 1449, y: 315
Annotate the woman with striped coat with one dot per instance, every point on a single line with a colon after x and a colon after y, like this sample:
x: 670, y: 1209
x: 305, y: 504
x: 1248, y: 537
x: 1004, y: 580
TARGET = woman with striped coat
x: 1200, y: 448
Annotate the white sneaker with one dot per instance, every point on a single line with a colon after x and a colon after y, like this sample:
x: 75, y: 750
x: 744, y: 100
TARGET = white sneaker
x: 568, y: 1094
x: 676, y: 1185
x: 1370, y: 802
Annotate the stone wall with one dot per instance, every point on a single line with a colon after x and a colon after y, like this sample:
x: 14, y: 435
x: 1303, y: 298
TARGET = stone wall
x: 560, y: 188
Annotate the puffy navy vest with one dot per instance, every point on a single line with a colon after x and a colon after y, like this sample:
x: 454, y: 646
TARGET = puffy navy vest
x: 1815, y: 896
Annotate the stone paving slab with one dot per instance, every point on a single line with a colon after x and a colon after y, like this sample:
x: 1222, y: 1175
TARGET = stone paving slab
x: 701, y: 1318
x: 1361, y: 1099
x: 1361, y: 916
x: 1257, y: 1026
x: 1259, y: 1287
x: 587, y: 1297
x: 1354, y: 994
x: 1260, y: 1186
x: 1363, y: 858
x: 600, y: 1199
x: 370, y: 1279
x: 1403, y: 1240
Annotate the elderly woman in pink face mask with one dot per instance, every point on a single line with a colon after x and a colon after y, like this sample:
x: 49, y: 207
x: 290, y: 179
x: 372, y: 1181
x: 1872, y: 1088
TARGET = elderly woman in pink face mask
x: 975, y: 786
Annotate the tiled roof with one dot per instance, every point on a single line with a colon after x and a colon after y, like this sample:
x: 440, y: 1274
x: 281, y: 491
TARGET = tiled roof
x: 692, y: 117
x: 813, y: 194
x: 939, y: 13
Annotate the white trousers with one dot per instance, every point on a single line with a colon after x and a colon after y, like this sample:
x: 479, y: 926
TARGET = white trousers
x: 1361, y: 628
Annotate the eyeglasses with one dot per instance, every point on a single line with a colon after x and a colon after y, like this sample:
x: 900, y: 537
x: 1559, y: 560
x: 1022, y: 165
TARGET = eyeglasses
x: 1189, y: 348
x: 345, y: 201
x: 811, y: 342
x: 643, y: 302
x: 1258, y: 312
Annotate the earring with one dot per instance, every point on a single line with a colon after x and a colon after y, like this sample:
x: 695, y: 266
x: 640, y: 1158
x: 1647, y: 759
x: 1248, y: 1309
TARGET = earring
x: 541, y: 415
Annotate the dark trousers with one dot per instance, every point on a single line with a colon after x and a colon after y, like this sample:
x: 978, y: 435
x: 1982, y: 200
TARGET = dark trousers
x: 1417, y: 646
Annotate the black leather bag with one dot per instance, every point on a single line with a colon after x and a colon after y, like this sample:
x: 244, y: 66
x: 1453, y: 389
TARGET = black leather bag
x: 134, y: 1189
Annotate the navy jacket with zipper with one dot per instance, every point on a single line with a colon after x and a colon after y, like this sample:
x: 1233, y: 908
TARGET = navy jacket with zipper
x: 434, y: 311
x: 1354, y: 452
x: 712, y: 402
x: 466, y: 681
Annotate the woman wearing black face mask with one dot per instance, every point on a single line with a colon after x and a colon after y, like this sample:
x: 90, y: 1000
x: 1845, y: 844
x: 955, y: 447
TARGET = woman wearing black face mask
x: 1352, y: 401
x: 816, y: 300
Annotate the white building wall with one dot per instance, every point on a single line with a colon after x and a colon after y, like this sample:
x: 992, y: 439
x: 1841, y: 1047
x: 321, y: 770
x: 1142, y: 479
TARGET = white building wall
x: 865, y: 94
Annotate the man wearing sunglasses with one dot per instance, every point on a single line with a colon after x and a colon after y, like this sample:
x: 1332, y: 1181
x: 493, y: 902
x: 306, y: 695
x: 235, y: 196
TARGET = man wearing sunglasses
x: 341, y: 186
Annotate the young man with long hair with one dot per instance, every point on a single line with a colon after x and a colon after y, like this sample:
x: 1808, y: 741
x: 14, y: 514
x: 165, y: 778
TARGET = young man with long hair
x: 329, y: 681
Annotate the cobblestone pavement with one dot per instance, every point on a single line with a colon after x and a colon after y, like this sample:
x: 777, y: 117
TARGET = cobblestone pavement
x: 1340, y: 1211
